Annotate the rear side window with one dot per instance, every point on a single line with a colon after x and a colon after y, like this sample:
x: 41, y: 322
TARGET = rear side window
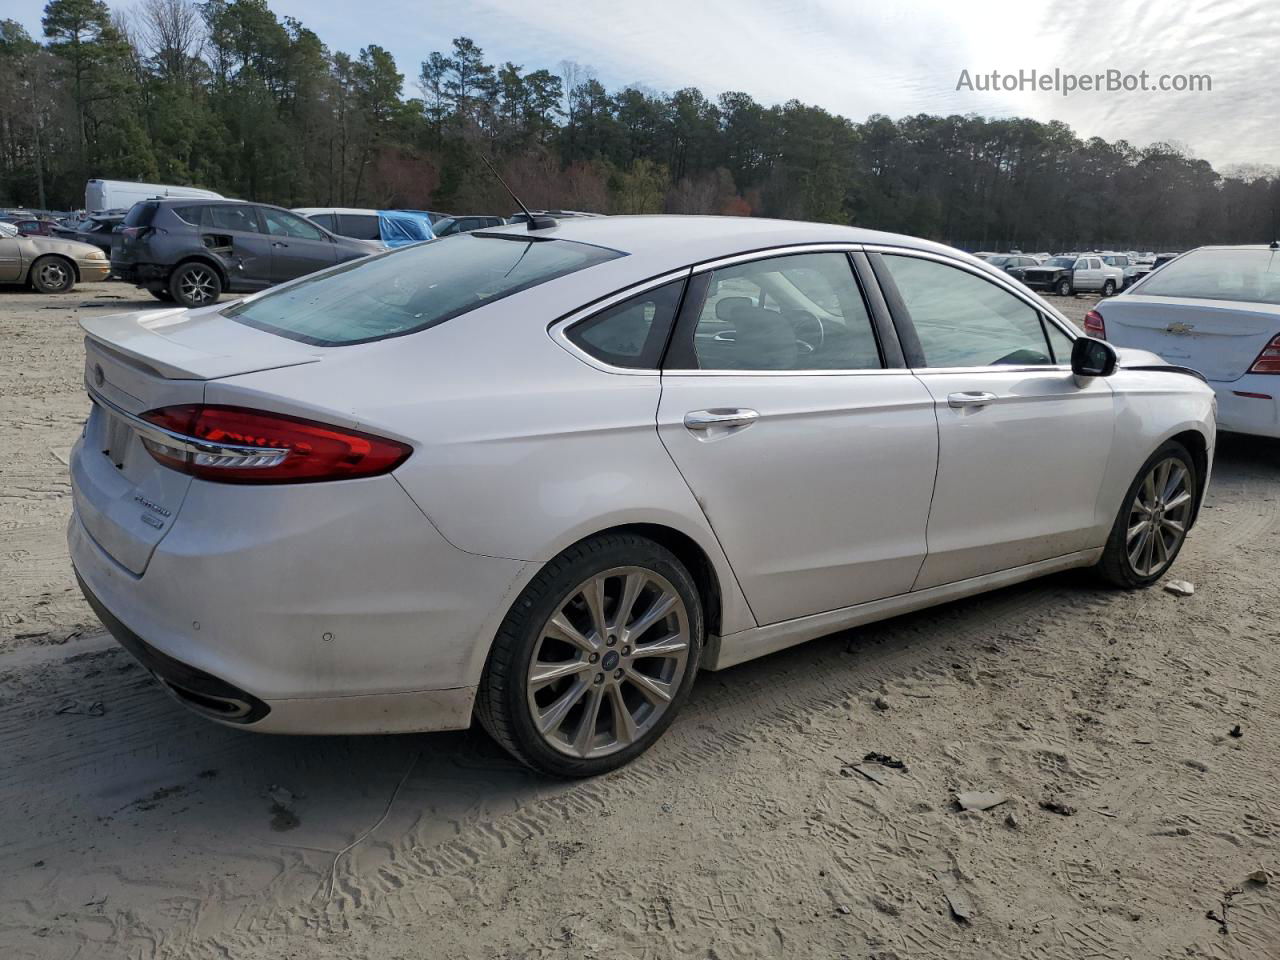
x: 796, y: 312
x: 361, y: 226
x: 141, y: 214
x: 230, y: 216
x: 631, y: 333
x: 412, y: 288
x: 189, y: 214
x: 1250, y: 276
x: 324, y: 219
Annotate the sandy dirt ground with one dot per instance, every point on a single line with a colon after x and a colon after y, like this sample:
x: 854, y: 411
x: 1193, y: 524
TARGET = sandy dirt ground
x: 130, y: 828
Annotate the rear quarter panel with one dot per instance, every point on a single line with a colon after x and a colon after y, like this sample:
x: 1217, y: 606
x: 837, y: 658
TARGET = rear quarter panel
x: 520, y: 448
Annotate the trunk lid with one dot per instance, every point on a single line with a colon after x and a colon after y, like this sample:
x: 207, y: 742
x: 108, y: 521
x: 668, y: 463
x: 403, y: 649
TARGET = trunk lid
x: 139, y: 362
x: 1219, y: 338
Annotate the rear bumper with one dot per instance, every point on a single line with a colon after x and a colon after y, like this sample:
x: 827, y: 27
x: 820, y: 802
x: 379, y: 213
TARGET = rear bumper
x: 300, y: 616
x: 1249, y: 405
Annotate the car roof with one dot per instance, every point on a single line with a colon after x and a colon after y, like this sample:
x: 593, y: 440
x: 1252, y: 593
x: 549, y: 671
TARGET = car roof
x: 308, y: 211
x: 668, y: 241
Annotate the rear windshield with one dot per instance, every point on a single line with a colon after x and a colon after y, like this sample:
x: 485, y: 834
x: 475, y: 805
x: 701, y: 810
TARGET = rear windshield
x: 412, y: 288
x: 141, y: 214
x: 1252, y: 276
x: 360, y: 226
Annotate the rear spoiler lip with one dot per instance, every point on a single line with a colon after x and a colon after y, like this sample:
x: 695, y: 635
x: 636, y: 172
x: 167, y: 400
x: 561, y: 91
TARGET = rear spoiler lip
x: 1168, y: 368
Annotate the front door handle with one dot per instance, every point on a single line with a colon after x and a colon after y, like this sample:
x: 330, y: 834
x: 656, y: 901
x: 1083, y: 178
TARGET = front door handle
x: 970, y: 399
x: 278, y: 243
x: 720, y: 417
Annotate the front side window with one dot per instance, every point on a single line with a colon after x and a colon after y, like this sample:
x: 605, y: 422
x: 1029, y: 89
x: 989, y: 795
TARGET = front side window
x: 282, y: 224
x: 412, y: 288
x: 963, y: 320
x: 237, y: 217
x: 1249, y: 276
x: 631, y: 333
x: 799, y: 312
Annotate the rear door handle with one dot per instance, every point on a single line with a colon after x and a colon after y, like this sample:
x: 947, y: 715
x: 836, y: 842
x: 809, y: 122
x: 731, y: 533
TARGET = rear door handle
x: 720, y: 417
x: 972, y: 398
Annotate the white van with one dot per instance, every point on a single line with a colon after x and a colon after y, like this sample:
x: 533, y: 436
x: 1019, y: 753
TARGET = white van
x: 123, y: 194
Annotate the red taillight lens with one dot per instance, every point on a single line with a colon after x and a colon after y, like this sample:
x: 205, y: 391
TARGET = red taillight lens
x: 1093, y: 325
x: 134, y: 232
x: 237, y: 445
x: 1269, y: 359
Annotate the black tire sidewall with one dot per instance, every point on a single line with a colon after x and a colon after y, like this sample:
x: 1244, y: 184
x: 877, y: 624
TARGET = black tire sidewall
x: 175, y: 285
x: 521, y: 629
x: 1064, y: 288
x: 1114, y: 565
x: 1109, y: 292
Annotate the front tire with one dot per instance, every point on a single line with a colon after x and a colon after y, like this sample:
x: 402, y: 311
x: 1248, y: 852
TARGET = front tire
x: 195, y: 285
x: 1153, y: 521
x: 51, y: 274
x: 595, y: 658
x: 1064, y: 287
x: 161, y: 293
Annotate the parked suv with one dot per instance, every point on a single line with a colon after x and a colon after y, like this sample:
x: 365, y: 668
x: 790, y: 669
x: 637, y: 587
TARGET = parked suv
x: 1070, y: 274
x: 191, y: 251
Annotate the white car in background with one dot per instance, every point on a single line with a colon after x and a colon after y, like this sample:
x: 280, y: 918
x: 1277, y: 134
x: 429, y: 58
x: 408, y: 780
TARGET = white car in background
x: 543, y: 476
x: 1215, y: 310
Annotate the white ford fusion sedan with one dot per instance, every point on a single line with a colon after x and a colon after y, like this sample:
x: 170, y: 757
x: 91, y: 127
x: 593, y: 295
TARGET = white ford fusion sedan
x: 541, y: 477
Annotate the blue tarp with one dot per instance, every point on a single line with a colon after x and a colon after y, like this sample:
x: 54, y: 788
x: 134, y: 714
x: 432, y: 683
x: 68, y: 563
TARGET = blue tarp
x: 400, y: 227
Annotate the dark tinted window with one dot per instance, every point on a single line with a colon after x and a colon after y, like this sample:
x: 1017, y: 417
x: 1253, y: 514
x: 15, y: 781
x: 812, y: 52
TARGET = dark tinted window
x: 631, y: 333
x: 446, y: 227
x: 412, y: 288
x: 963, y: 320
x: 239, y: 217
x: 361, y: 226
x: 324, y: 219
x: 141, y: 214
x: 800, y: 312
x: 281, y: 223
x: 189, y: 214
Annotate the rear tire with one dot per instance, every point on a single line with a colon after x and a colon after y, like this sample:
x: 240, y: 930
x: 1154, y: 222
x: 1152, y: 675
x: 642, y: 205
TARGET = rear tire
x: 1064, y: 287
x: 195, y: 284
x: 50, y: 274
x: 1153, y: 520
x: 592, y: 640
x: 1109, y: 288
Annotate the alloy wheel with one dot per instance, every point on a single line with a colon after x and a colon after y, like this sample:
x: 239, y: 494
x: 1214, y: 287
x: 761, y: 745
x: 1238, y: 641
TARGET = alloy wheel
x: 197, y: 285
x: 607, y: 664
x: 1158, y: 517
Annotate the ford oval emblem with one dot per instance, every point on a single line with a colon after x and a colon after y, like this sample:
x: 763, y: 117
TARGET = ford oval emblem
x: 99, y: 378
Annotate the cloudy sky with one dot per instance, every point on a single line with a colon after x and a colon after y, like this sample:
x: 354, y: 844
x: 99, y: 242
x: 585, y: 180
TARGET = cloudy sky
x: 859, y: 58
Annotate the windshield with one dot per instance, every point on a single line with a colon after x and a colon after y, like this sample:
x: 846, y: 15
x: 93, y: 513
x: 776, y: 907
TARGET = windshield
x: 412, y: 288
x: 1060, y: 262
x: 1251, y: 276
x: 8, y: 229
x: 998, y: 261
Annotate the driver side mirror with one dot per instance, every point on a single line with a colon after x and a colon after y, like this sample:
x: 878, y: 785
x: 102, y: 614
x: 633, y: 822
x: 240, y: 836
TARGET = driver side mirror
x: 1093, y: 358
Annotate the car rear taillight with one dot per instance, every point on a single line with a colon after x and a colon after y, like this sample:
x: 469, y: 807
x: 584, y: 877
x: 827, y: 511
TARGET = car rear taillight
x: 238, y: 445
x: 1093, y: 325
x: 1269, y: 359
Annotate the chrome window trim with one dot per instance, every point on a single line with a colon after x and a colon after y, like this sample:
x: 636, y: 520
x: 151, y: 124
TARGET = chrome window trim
x: 771, y: 253
x: 1002, y: 281
x: 559, y: 329
x: 179, y: 441
x: 787, y: 250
